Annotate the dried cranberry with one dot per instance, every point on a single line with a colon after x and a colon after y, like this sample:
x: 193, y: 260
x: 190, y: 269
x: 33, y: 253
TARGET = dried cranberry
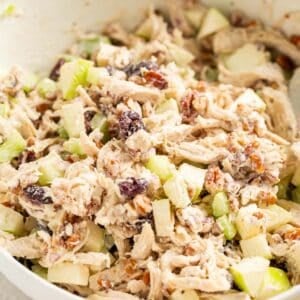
x: 285, y: 62
x: 129, y: 123
x: 156, y: 79
x: 295, y: 39
x: 55, y: 72
x: 88, y: 116
x: 36, y: 195
x: 132, y: 187
x: 131, y: 70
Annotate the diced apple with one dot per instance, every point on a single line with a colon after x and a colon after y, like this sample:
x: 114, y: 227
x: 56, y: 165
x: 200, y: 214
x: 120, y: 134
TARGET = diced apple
x: 213, y: 21
x: 250, y: 221
x: 46, y: 87
x: 275, y: 282
x: 69, y: 273
x: 29, y: 81
x: 95, y: 240
x: 246, y: 58
x: 184, y: 295
x: 73, y: 119
x: 163, y: 217
x: 181, y: 56
x: 227, y: 227
x: 168, y: 105
x: 11, y: 221
x: 194, y: 178
x: 175, y: 189
x: 276, y: 216
x: 220, y: 204
x: 73, y: 74
x: 249, y: 274
x: 161, y: 166
x: 95, y: 75
x: 256, y: 246
x: 195, y: 16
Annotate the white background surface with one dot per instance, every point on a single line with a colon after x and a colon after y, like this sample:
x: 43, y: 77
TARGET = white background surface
x: 10, y: 292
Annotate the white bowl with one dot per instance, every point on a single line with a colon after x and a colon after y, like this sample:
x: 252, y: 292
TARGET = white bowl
x: 44, y: 30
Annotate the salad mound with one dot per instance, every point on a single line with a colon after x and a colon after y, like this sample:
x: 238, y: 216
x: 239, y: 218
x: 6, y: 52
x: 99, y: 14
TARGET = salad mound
x: 157, y: 164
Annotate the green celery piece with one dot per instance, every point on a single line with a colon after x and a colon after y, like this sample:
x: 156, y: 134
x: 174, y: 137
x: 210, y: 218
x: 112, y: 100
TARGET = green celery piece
x: 161, y: 166
x: 8, y: 11
x: 29, y: 81
x: 40, y: 271
x: 4, y: 110
x: 227, y: 227
x: 100, y: 121
x: 89, y: 45
x: 62, y: 133
x: 72, y: 75
x: 220, y: 204
x: 296, y: 194
x: 73, y: 146
x: 12, y: 147
x: 46, y: 87
x: 49, y: 169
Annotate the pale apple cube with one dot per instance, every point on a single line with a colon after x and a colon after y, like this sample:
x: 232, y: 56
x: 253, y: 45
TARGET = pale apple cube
x: 11, y: 221
x: 95, y: 240
x: 256, y: 246
x: 184, y: 295
x: 276, y: 216
x: 163, y: 218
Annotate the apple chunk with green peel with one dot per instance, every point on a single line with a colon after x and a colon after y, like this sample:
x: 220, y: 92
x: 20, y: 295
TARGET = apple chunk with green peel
x: 11, y: 221
x: 213, y: 21
x: 256, y: 246
x: 69, y: 273
x: 249, y: 274
x: 275, y: 282
x: 95, y: 240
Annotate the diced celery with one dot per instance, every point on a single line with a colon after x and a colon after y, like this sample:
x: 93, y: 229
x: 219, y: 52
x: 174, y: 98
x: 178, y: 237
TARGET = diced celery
x: 168, y: 105
x: 4, y: 110
x: 11, y: 221
x: 194, y: 178
x: 283, y: 188
x: 195, y: 16
x: 162, y: 217
x: 220, y: 204
x: 246, y: 58
x: 89, y: 45
x: 73, y: 145
x: 73, y: 74
x: 12, y: 147
x: 296, y: 194
x: 275, y: 282
x: 95, y: 240
x: 256, y: 246
x: 227, y: 227
x: 213, y: 21
x: 73, y: 119
x: 69, y: 273
x: 29, y: 81
x: 181, y: 56
x: 46, y: 87
x: 95, y: 75
x: 249, y: 274
x: 161, y: 166
x: 175, y: 189
x: 100, y: 121
x: 184, y: 295
x: 276, y: 216
x: 40, y: 271
x: 296, y: 178
x: 49, y: 167
x: 247, y: 222
x: 62, y: 133
x: 9, y: 10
